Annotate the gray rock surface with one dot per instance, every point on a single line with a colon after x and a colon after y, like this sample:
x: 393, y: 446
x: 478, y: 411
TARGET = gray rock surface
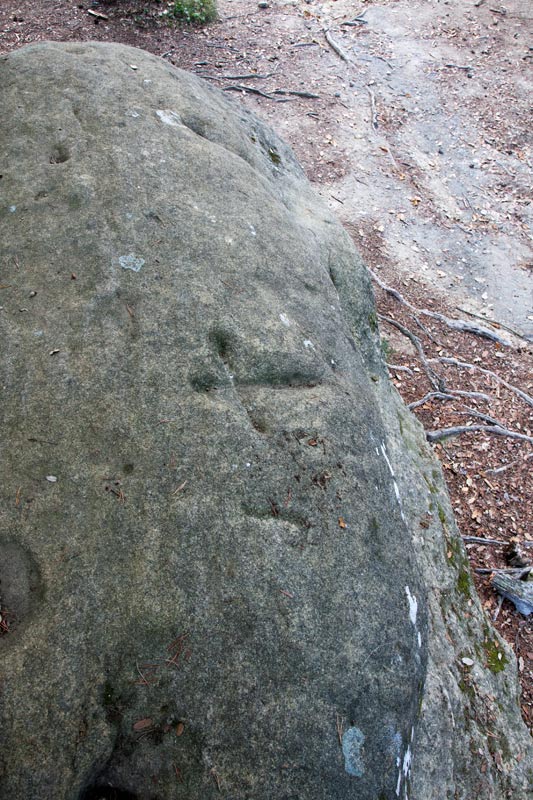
x: 211, y: 496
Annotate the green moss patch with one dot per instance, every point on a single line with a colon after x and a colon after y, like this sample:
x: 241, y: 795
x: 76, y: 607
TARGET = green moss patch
x: 193, y: 12
x: 464, y: 583
x: 495, y: 658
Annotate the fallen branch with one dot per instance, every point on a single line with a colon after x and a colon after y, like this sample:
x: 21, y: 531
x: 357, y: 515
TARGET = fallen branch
x: 336, y: 47
x: 497, y: 430
x: 454, y: 362
x: 520, y: 593
x: 433, y: 378
x: 454, y: 324
x: 97, y: 14
x: 499, y: 542
x: 508, y: 570
x: 481, y: 540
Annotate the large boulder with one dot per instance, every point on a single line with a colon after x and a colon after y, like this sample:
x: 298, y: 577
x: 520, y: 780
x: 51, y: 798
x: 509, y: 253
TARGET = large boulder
x: 212, y: 562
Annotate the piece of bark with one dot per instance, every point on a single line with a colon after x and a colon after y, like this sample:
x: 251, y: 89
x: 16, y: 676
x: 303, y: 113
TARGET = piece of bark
x: 520, y: 593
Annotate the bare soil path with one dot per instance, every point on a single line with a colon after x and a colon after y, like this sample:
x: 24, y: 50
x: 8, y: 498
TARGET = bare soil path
x: 413, y: 120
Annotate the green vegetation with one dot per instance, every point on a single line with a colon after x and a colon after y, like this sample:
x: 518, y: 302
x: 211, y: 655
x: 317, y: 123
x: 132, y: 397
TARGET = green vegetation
x: 466, y: 687
x: 385, y: 348
x: 431, y: 486
x: 495, y: 657
x: 464, y: 583
x: 373, y: 322
x: 193, y: 12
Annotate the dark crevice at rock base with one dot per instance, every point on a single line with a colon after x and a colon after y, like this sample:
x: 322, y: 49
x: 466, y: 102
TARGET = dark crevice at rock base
x: 106, y: 793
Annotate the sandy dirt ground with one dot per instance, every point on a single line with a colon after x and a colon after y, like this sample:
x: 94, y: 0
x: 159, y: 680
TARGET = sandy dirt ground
x: 413, y: 119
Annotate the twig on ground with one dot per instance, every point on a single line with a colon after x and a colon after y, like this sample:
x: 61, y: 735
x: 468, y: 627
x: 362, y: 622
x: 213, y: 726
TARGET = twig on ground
x: 454, y: 362
x: 519, y: 571
x: 97, y: 14
x: 433, y: 378
x: 505, y: 467
x: 481, y: 540
x: 336, y: 47
x: 500, y: 542
x: 454, y: 324
x: 498, y: 430
x: 458, y: 66
x: 498, y: 608
x: 143, y: 680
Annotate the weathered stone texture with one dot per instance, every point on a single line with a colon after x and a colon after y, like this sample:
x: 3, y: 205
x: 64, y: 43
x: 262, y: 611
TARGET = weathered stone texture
x: 210, y: 493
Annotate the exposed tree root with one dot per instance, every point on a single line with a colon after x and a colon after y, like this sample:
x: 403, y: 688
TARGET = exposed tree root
x: 336, y: 47
x: 433, y: 378
x: 455, y: 324
x: 496, y: 430
x: 454, y: 362
x: 452, y: 394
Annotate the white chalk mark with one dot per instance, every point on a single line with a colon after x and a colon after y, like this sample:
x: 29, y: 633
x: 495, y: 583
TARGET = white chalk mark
x: 385, y: 456
x: 413, y: 605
